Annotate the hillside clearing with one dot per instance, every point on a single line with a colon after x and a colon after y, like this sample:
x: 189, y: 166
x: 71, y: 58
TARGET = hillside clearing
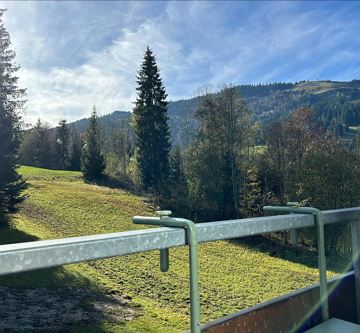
x: 233, y: 276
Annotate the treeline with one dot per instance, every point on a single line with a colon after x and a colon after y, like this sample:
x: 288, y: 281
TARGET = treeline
x: 45, y: 147
x: 102, y: 156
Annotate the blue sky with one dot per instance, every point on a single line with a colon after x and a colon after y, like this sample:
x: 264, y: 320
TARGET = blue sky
x: 77, y: 54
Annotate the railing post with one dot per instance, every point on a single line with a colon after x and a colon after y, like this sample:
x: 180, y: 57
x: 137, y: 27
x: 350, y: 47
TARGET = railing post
x: 192, y: 241
x: 294, y: 233
x: 355, y: 237
x: 319, y: 224
x: 294, y: 237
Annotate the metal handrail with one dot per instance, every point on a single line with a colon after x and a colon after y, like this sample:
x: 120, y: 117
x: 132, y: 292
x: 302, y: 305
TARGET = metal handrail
x: 27, y: 256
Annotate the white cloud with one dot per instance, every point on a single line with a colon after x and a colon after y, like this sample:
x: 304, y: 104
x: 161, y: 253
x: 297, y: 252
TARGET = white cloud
x: 66, y: 71
x: 107, y: 79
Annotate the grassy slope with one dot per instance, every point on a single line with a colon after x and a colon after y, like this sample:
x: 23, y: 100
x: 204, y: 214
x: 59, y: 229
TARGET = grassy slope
x: 232, y: 276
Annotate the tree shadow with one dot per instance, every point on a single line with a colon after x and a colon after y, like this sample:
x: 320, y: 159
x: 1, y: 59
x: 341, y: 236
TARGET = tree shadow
x: 297, y: 254
x: 56, y: 299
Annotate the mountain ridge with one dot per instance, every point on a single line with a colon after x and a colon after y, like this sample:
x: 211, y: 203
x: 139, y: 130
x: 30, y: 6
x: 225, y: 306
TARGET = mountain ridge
x: 336, y: 105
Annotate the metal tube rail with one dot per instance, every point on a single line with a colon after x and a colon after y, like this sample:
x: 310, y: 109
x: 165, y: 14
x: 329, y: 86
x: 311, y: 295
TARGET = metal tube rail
x: 27, y: 256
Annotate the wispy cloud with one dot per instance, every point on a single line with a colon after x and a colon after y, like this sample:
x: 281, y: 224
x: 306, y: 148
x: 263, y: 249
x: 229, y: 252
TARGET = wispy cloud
x: 76, y: 54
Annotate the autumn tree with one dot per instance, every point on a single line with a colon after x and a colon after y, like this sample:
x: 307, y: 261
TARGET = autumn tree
x: 305, y: 163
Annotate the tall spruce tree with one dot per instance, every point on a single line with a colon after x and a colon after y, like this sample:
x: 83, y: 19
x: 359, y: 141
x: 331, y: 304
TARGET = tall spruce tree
x: 11, y: 102
x: 92, y: 164
x: 150, y: 121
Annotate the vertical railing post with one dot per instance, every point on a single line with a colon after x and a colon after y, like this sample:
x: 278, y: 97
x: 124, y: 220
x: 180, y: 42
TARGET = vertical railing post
x: 355, y: 242
x: 294, y: 233
x: 294, y: 237
x: 319, y: 224
x: 191, y: 233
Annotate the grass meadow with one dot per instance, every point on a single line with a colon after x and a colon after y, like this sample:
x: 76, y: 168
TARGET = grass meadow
x: 233, y: 275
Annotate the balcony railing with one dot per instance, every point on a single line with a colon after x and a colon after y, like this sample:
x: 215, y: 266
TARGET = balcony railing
x: 28, y: 256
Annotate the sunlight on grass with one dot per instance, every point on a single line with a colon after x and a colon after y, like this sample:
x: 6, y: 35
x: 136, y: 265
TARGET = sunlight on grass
x: 232, y: 276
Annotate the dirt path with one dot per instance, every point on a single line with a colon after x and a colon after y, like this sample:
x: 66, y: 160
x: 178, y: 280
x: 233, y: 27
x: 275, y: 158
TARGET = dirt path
x: 55, y: 310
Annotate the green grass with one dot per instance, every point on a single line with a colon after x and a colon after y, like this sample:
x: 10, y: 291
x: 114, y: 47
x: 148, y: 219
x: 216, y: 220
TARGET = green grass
x: 233, y: 276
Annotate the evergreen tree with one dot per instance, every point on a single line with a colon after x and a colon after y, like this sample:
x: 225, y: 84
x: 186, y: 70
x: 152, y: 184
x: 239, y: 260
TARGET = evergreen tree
x: 62, y: 145
x: 40, y: 145
x: 92, y: 164
x: 175, y: 196
x: 75, y: 153
x: 150, y: 121
x: 36, y: 148
x: 11, y: 101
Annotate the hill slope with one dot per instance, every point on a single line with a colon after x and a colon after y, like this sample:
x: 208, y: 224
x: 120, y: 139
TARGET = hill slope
x: 233, y: 276
x: 336, y: 104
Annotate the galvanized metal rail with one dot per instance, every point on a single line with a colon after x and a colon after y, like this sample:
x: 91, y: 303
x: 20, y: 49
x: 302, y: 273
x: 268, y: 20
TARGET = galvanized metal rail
x: 27, y: 256
x: 49, y: 253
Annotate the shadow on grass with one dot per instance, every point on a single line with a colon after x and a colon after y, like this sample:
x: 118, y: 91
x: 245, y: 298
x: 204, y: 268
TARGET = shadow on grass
x: 56, y: 299
x: 46, y: 278
x: 300, y: 255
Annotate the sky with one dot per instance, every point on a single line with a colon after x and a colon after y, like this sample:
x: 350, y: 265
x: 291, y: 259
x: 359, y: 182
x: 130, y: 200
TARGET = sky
x: 74, y: 55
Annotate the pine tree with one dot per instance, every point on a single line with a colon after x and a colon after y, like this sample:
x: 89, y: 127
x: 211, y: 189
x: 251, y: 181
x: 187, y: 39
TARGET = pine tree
x: 75, y: 153
x: 150, y: 122
x: 175, y: 195
x: 62, y: 145
x: 11, y: 102
x: 92, y: 164
x: 36, y: 148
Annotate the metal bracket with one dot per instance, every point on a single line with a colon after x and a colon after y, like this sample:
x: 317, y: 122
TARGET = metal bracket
x: 294, y: 207
x: 294, y: 233
x: 190, y: 228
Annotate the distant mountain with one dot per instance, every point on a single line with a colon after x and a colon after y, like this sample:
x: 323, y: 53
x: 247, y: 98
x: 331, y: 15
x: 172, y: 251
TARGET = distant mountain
x: 336, y: 104
x: 106, y: 121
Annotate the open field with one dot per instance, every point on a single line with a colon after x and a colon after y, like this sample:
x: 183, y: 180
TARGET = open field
x: 233, y: 276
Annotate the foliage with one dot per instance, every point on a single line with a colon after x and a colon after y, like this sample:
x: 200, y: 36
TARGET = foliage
x: 11, y: 103
x: 37, y: 146
x: 218, y: 155
x: 175, y: 195
x: 92, y: 161
x: 306, y: 164
x: 150, y: 123
x: 253, y: 198
x: 118, y: 158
